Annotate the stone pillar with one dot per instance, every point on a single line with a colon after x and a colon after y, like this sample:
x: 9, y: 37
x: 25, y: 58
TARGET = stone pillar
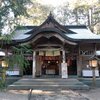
x: 64, y: 69
x: 34, y: 64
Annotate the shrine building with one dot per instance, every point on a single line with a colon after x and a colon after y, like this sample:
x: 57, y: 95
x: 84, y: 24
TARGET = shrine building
x: 60, y: 50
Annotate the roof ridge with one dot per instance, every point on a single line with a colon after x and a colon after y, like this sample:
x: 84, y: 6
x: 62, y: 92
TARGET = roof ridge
x: 75, y: 26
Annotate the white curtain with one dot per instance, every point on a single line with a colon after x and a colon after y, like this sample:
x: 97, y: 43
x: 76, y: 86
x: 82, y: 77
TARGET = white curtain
x: 56, y: 53
x: 49, y: 53
x: 41, y: 53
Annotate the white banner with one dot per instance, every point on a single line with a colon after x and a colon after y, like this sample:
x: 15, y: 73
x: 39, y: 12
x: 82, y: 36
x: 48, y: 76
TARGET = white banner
x: 64, y: 70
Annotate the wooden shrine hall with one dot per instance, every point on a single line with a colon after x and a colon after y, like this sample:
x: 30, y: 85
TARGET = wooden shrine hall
x: 60, y: 50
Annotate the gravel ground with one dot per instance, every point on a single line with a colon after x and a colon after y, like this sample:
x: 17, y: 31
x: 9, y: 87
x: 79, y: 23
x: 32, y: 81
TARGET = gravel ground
x: 42, y: 95
x: 54, y: 95
x: 93, y: 94
x: 13, y: 95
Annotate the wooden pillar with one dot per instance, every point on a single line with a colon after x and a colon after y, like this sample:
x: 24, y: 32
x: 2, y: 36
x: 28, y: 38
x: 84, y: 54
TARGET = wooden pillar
x: 79, y: 66
x: 63, y: 56
x: 34, y: 64
x: 64, y: 71
x: 79, y: 63
x: 95, y: 48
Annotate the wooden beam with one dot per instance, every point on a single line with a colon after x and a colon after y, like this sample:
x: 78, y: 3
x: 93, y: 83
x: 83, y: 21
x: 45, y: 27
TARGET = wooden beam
x: 49, y: 45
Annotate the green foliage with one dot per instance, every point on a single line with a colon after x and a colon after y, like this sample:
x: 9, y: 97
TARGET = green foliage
x: 65, y: 14
x: 18, y: 7
x: 3, y: 79
x: 37, y: 14
x: 9, y: 11
x: 2, y: 85
x: 18, y: 57
x: 7, y: 38
x: 78, y: 12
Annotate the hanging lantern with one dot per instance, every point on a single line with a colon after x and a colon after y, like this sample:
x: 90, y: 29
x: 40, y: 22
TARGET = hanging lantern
x: 93, y: 61
x: 4, y: 64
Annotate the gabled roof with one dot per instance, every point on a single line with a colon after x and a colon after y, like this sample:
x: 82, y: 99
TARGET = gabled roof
x: 84, y: 34
x: 49, y: 25
x: 50, y: 22
x: 73, y: 33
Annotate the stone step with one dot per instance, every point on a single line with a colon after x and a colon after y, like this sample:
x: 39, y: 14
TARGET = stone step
x: 46, y: 87
x: 48, y: 84
x: 47, y: 80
